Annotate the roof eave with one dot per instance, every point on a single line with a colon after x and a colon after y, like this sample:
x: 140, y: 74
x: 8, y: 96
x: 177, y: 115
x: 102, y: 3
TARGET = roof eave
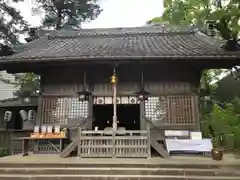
x: 206, y: 62
x: 42, y: 59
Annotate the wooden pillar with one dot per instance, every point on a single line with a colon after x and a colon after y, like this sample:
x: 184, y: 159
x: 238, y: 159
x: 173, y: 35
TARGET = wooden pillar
x: 195, y: 105
x: 90, y: 107
x: 90, y: 102
x: 3, y: 124
x: 142, y: 116
x: 114, y: 107
x: 114, y: 86
x: 148, y: 139
x: 39, y: 119
x: 78, y: 139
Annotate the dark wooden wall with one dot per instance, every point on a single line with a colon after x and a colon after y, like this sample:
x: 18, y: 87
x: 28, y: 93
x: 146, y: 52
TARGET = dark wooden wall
x: 159, y: 79
x: 177, y: 84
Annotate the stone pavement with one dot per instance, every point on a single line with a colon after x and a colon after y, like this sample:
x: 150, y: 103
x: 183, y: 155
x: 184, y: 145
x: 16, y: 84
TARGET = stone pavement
x: 52, y: 167
x: 48, y: 158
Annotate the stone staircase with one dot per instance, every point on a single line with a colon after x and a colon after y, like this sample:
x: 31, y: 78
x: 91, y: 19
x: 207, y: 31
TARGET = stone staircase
x: 117, y: 171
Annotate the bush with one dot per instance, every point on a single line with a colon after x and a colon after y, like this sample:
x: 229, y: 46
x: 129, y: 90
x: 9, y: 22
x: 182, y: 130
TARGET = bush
x: 226, y: 123
x: 3, y: 152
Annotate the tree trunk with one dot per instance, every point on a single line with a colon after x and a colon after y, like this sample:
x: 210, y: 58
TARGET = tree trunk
x: 59, y: 20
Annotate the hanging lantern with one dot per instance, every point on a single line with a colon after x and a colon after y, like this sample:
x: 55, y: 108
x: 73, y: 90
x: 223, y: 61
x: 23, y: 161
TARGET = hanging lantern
x: 83, y: 95
x: 142, y: 95
x: 114, y: 79
x: 26, y: 99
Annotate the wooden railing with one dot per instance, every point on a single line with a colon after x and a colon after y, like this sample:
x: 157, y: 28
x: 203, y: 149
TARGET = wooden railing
x: 114, y: 144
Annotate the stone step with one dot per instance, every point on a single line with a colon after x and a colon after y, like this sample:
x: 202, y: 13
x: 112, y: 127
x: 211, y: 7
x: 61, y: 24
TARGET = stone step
x: 111, y: 177
x: 122, y: 165
x: 119, y: 171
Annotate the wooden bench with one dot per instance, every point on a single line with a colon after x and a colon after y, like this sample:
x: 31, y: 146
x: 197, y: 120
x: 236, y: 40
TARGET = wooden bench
x: 185, y: 142
x: 47, y: 134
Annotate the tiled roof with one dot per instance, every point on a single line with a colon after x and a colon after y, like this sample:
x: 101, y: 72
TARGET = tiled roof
x: 13, y: 102
x: 140, y: 42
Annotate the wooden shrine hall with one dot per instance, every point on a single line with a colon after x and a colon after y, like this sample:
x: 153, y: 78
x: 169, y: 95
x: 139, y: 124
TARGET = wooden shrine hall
x: 117, y: 91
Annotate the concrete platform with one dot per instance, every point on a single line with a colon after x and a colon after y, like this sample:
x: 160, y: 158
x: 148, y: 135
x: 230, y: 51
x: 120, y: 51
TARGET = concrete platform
x: 47, y: 158
x: 52, y: 167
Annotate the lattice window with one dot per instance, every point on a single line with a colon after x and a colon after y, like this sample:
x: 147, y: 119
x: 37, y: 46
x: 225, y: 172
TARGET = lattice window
x: 78, y: 109
x: 181, y: 109
x: 62, y: 110
x: 170, y: 110
x: 156, y: 109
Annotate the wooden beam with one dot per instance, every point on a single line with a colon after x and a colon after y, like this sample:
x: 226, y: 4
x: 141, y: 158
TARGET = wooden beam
x: 159, y: 148
x: 155, y: 136
x: 70, y: 148
x: 162, y: 127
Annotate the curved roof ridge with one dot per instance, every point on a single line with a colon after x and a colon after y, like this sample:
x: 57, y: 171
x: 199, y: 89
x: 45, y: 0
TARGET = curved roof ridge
x: 129, y: 31
x: 209, y: 40
x: 127, y: 34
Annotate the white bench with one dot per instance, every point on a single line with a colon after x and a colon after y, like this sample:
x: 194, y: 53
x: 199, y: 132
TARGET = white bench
x: 187, y: 142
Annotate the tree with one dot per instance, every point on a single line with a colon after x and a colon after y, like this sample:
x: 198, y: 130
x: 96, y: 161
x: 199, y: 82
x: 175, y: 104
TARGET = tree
x: 225, y: 122
x: 28, y: 84
x: 184, y: 12
x: 227, y: 19
x: 5, y: 50
x: 58, y: 14
x: 224, y: 14
x: 62, y: 13
x: 11, y: 26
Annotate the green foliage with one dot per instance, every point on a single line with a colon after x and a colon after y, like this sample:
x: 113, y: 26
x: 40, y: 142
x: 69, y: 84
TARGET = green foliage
x: 228, y: 88
x: 185, y: 12
x: 226, y: 123
x: 209, y: 80
x: 28, y: 84
x: 58, y: 14
x: 155, y: 20
x: 5, y: 50
x: 11, y: 24
x: 222, y: 117
x: 196, y: 12
x: 227, y: 15
x: 4, y: 152
x: 62, y: 13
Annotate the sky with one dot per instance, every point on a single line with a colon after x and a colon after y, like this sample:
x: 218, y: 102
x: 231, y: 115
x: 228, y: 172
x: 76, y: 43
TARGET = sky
x: 116, y: 13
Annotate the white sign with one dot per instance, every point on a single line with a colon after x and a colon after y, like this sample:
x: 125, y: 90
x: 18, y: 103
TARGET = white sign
x: 196, y: 135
